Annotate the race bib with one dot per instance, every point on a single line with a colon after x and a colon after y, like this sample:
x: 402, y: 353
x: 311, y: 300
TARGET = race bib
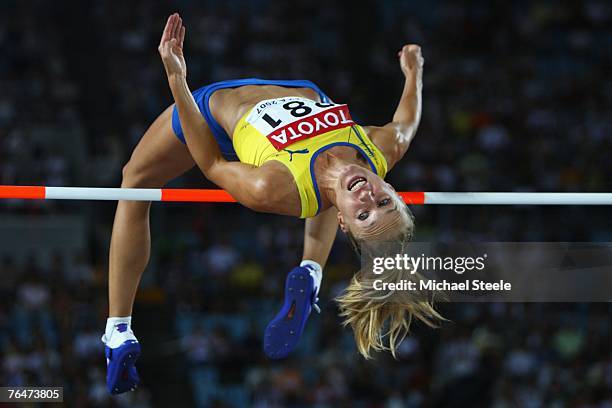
x: 285, y: 121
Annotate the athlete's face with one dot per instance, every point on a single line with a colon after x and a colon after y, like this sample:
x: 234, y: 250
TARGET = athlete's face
x: 368, y: 206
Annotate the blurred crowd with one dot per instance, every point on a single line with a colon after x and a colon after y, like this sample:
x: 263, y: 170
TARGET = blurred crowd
x: 517, y: 97
x: 498, y: 355
x: 49, y: 330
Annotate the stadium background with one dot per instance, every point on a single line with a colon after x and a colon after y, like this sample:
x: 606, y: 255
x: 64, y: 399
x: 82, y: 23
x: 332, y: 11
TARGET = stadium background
x: 517, y: 97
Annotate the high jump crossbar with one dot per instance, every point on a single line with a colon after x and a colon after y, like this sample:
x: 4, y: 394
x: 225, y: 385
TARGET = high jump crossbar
x: 221, y: 196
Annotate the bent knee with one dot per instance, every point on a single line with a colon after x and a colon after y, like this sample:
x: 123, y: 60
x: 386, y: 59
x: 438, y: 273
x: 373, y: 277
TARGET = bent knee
x: 138, y: 176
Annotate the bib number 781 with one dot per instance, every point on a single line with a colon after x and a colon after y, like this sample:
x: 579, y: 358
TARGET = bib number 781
x: 284, y: 121
x: 297, y: 109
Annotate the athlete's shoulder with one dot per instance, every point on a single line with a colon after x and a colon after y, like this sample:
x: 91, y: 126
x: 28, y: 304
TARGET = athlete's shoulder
x: 385, y: 138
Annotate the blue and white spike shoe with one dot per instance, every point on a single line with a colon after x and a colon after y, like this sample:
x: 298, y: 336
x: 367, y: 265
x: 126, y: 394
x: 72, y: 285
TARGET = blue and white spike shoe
x: 284, y: 331
x: 122, y: 350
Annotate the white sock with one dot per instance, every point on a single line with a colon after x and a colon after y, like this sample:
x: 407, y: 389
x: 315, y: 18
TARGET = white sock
x: 315, y: 271
x: 118, y: 330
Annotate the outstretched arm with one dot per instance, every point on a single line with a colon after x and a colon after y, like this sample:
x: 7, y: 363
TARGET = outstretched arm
x: 319, y: 235
x: 394, y: 138
x: 245, y: 182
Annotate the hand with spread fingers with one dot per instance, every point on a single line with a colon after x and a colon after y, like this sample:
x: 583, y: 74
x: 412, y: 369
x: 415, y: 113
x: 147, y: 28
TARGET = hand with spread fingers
x: 171, y: 47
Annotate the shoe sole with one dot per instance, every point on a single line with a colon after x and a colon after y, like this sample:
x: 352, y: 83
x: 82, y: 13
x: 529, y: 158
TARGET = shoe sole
x: 284, y: 331
x: 122, y: 361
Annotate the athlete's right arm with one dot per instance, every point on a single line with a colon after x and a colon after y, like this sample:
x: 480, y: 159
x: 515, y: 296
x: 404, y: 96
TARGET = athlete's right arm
x: 202, y: 146
x: 246, y: 183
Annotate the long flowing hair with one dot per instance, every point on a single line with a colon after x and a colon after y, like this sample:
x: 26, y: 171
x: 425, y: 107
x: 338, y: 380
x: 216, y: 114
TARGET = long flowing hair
x: 379, y: 318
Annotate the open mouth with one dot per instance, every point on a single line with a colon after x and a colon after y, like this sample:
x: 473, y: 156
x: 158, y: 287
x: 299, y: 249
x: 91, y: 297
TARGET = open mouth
x: 356, y: 183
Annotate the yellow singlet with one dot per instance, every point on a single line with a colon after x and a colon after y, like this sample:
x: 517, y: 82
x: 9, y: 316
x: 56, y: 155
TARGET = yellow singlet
x: 294, y: 131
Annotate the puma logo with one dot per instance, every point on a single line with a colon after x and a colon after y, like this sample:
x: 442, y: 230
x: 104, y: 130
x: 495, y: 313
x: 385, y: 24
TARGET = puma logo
x: 292, y: 152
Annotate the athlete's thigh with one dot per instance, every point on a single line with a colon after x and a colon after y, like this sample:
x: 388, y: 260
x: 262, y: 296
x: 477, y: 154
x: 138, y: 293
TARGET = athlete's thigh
x: 159, y: 156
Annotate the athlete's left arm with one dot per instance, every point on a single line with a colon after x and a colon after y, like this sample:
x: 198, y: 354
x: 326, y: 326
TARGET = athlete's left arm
x: 394, y: 138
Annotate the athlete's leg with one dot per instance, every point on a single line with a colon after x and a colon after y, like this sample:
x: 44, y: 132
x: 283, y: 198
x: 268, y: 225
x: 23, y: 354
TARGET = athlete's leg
x: 302, y: 286
x: 158, y: 158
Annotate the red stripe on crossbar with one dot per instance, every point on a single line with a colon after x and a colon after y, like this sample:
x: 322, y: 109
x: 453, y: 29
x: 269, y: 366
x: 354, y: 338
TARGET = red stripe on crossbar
x: 23, y: 192
x: 186, y: 195
x: 221, y: 196
x: 413, y: 197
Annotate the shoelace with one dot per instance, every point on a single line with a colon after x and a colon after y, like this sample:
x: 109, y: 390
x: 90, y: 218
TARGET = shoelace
x: 315, y: 300
x: 315, y: 306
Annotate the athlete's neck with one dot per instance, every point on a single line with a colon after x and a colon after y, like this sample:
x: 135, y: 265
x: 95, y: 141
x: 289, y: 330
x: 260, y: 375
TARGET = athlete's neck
x: 327, y: 168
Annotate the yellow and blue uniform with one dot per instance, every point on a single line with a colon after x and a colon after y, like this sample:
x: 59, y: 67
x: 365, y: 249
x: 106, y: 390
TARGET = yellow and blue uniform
x: 294, y: 131
x: 255, y: 148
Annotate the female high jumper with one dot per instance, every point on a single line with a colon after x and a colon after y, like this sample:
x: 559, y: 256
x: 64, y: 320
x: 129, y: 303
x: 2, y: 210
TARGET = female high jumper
x: 299, y: 154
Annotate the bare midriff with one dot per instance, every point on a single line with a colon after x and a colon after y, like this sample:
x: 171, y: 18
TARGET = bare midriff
x: 229, y: 105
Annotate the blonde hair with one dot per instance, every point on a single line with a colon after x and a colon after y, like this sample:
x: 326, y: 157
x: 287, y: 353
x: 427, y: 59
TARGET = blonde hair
x: 381, y: 319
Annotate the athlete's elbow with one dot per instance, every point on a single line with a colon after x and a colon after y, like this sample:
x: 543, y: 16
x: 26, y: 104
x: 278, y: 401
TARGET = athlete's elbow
x: 209, y: 174
x: 210, y: 169
x: 259, y: 194
x: 406, y: 131
x: 404, y: 123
